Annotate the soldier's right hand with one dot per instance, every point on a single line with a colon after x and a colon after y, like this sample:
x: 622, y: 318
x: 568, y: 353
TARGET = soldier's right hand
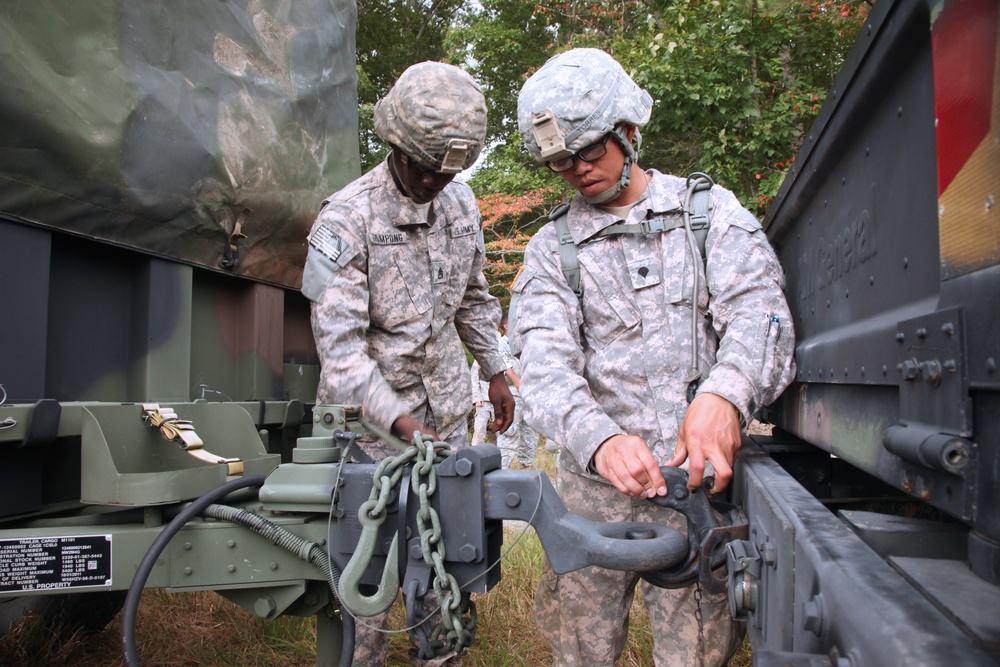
x: 405, y: 426
x: 626, y: 462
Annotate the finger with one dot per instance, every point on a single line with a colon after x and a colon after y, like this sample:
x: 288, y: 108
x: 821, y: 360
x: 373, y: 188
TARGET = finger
x: 679, y: 457
x: 723, y: 475
x: 696, y: 469
x: 615, y: 482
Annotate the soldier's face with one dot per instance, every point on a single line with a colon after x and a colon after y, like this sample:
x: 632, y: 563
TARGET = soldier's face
x: 592, y: 178
x: 418, y: 183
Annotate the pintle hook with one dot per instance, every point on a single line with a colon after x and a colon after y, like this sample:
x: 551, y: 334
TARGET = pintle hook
x: 348, y: 590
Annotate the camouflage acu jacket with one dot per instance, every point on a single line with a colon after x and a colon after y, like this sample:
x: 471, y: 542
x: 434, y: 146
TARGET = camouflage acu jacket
x: 394, y: 297
x: 617, y: 361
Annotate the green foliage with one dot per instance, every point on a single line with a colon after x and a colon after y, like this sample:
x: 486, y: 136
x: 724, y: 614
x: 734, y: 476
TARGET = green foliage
x: 737, y: 85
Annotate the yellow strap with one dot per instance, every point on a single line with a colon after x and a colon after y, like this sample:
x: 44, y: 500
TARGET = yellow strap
x: 182, y: 431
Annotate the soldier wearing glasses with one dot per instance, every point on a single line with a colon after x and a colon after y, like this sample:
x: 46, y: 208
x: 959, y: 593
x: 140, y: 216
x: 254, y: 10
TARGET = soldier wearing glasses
x: 608, y: 373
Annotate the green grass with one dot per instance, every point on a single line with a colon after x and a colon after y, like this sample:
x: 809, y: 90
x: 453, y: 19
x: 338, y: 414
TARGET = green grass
x: 192, y: 629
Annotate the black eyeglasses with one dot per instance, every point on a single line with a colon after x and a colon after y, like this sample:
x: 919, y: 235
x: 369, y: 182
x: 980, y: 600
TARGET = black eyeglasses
x: 591, y: 153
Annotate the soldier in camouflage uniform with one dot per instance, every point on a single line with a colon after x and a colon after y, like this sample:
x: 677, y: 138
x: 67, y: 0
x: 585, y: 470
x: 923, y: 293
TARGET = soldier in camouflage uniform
x: 481, y: 402
x: 608, y: 374
x: 394, y: 274
x: 519, y: 440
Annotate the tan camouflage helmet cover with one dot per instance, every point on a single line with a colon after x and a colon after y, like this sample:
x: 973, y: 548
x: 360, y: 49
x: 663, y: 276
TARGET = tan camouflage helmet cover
x: 574, y: 100
x: 436, y: 114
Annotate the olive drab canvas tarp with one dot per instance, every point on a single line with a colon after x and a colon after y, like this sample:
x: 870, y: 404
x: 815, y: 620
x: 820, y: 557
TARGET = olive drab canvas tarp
x: 159, y: 126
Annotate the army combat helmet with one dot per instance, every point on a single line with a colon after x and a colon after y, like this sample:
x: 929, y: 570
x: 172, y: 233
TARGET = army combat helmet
x: 436, y: 115
x: 574, y: 100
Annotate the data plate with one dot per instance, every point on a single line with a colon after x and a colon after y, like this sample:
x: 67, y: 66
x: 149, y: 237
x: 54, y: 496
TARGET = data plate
x: 48, y: 563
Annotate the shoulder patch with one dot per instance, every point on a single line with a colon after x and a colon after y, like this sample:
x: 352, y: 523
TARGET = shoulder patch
x: 330, y: 244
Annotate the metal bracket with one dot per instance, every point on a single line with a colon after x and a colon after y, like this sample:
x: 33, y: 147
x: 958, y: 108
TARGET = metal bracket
x: 933, y: 373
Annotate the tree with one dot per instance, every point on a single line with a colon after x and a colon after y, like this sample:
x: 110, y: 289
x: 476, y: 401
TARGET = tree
x: 737, y: 85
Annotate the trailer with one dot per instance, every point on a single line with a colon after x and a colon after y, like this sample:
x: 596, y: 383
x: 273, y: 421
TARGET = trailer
x: 873, y: 508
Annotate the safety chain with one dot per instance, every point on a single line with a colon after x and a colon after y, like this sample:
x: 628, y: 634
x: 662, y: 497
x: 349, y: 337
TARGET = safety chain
x: 456, y: 629
x: 698, y: 615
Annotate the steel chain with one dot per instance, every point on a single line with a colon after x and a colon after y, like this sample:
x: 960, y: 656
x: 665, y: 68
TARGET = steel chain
x: 456, y: 627
x: 699, y: 616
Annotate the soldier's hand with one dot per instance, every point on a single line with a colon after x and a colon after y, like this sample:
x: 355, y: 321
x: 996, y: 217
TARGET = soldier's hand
x: 710, y: 432
x: 406, y: 425
x: 503, y: 404
x: 626, y: 462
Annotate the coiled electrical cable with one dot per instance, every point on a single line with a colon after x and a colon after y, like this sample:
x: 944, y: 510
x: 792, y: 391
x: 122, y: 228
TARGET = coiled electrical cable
x: 129, y: 613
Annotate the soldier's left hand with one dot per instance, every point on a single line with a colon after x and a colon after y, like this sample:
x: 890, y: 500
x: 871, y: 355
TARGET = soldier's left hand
x: 710, y: 432
x: 503, y: 404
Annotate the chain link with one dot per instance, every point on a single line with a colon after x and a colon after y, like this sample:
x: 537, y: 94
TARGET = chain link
x: 458, y: 614
x: 699, y: 616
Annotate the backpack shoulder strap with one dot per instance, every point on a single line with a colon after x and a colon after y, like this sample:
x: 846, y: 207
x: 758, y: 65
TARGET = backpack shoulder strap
x: 567, y: 249
x: 699, y: 194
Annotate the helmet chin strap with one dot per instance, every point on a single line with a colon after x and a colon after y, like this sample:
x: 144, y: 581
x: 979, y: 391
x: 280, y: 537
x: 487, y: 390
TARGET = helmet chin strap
x: 622, y: 184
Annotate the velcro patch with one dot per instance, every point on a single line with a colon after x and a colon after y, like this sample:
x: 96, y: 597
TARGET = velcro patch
x: 390, y: 238
x: 462, y: 230
x: 440, y: 274
x: 643, y: 273
x: 329, y: 243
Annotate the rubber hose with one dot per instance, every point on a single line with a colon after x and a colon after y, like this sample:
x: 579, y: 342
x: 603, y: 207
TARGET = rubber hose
x: 131, y: 609
x: 294, y: 544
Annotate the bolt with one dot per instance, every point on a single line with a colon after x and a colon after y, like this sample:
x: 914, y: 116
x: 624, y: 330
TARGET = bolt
x: 907, y: 485
x: 188, y: 571
x: 328, y: 418
x: 463, y: 467
x: 513, y: 499
x: 274, y: 566
x: 187, y: 546
x: 416, y: 553
x: 231, y: 544
x: 922, y: 332
x: 991, y: 365
x: 909, y: 368
x: 231, y: 568
x: 770, y: 554
x: 469, y: 553
x: 925, y: 494
x: 812, y: 615
x: 680, y: 492
x: 950, y: 365
x: 930, y: 371
x: 264, y: 607
x: 948, y: 329
x: 900, y: 336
